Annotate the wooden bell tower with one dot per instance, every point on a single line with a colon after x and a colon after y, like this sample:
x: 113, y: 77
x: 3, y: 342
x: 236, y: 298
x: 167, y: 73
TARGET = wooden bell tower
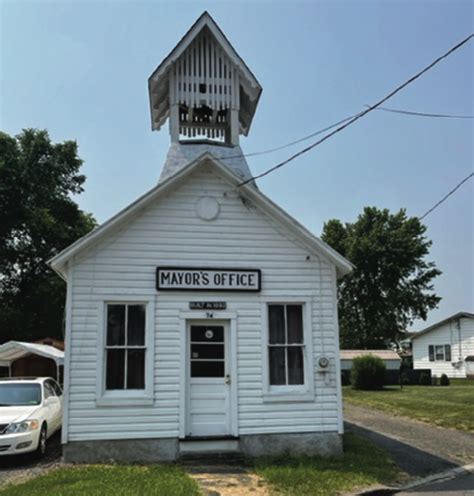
x: 204, y: 88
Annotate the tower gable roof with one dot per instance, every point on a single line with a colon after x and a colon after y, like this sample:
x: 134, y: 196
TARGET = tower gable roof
x: 159, y: 81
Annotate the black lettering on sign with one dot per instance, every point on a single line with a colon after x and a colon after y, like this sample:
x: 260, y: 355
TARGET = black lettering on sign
x: 212, y: 279
x: 207, y: 305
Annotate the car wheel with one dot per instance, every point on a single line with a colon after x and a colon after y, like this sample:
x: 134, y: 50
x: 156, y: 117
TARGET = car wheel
x: 42, y: 443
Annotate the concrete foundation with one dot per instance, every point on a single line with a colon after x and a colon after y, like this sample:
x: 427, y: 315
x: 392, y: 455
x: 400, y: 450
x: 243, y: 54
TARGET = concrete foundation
x: 127, y: 450
x: 308, y: 443
x: 167, y: 450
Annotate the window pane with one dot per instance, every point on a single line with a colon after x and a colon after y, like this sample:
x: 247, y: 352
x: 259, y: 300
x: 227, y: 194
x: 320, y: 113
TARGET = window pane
x: 207, y: 351
x: 276, y: 323
x: 48, y: 390
x: 277, y: 366
x: 136, y: 325
x: 115, y: 369
x: 447, y: 352
x: 294, y: 315
x: 136, y: 369
x: 439, y: 352
x: 295, y: 365
x: 115, y: 325
x: 207, y: 369
x: 207, y: 333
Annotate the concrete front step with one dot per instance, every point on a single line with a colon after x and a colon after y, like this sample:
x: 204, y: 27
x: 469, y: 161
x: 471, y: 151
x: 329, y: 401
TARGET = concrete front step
x: 210, y: 450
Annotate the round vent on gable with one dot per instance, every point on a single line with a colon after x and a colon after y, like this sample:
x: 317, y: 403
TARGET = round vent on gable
x: 207, y: 208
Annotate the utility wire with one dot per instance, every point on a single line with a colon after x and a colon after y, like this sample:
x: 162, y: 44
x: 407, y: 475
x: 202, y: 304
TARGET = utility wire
x: 445, y: 197
x: 320, y: 131
x: 291, y: 143
x: 358, y: 116
x: 424, y: 114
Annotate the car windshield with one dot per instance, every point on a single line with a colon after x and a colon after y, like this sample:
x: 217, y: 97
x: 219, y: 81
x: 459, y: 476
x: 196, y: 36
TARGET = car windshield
x: 20, y: 394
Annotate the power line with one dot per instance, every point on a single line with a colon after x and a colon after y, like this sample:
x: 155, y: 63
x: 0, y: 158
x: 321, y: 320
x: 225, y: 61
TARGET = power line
x: 424, y: 114
x: 360, y: 115
x: 291, y: 143
x: 320, y: 131
x: 445, y: 197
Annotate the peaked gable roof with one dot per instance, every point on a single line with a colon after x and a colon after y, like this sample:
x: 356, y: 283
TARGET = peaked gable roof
x: 343, y: 266
x: 158, y: 82
x: 456, y: 316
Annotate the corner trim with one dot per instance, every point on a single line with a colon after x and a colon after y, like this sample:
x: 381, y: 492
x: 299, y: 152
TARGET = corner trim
x: 67, y: 352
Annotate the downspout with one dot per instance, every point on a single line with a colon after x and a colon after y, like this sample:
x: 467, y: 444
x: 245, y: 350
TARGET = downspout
x: 458, y: 325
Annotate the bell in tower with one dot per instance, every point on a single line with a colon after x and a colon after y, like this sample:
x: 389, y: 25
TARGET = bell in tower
x: 209, y: 96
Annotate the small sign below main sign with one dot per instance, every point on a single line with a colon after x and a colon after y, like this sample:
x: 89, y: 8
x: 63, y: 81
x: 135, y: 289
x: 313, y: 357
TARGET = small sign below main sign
x: 207, y: 305
x: 207, y: 279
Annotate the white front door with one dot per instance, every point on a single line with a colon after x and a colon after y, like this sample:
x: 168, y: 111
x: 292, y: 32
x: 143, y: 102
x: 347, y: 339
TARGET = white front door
x: 208, y: 379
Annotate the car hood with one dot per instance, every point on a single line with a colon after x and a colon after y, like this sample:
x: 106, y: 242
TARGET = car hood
x: 9, y: 414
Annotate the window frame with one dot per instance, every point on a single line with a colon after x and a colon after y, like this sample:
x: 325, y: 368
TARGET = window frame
x: 289, y: 392
x: 125, y: 397
x: 444, y: 347
x: 436, y: 354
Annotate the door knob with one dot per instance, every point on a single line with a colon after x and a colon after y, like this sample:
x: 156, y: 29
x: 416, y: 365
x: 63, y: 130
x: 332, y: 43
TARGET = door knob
x: 227, y: 379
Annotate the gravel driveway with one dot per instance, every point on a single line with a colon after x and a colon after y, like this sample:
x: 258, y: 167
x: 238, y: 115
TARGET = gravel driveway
x: 22, y: 467
x: 419, y: 449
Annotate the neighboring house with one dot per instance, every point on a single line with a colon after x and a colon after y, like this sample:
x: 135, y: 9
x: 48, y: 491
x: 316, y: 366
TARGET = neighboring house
x: 446, y: 347
x: 391, y: 359
x: 202, y: 317
x: 21, y: 359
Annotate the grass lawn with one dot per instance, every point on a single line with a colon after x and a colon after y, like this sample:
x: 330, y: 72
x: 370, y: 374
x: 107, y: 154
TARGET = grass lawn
x: 362, y: 465
x: 104, y: 480
x: 446, y: 406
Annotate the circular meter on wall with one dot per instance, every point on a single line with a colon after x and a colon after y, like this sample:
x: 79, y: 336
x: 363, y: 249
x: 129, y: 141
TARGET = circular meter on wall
x: 323, y: 362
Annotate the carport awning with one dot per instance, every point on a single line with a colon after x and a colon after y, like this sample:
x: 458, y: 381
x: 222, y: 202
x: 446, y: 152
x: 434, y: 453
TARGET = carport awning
x: 13, y: 350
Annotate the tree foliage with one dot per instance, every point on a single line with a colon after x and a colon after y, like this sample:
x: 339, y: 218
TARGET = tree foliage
x: 391, y: 284
x: 38, y: 219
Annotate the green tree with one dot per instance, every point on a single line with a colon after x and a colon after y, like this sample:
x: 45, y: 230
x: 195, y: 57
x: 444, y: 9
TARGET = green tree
x: 391, y: 284
x: 38, y: 219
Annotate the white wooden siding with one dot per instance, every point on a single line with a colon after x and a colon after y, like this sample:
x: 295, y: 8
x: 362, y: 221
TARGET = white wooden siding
x: 170, y: 233
x: 446, y: 334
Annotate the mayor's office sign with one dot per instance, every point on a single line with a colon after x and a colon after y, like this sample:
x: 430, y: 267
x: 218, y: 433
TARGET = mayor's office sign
x: 207, y: 279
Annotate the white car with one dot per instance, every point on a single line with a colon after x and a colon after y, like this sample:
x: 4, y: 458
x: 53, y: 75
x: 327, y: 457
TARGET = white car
x: 30, y: 413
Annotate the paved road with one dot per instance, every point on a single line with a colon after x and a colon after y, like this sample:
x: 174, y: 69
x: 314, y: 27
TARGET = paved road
x: 418, y: 449
x: 462, y: 485
x: 421, y: 449
x: 22, y: 467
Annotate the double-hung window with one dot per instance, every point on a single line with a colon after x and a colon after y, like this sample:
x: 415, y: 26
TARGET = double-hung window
x: 286, y: 345
x: 125, y: 346
x: 439, y: 353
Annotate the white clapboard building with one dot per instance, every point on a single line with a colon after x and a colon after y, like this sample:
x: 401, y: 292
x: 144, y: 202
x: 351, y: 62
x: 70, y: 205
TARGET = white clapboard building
x: 202, y: 317
x: 446, y: 347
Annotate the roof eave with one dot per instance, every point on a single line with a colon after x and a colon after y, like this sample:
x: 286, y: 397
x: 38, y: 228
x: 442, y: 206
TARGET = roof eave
x: 459, y: 315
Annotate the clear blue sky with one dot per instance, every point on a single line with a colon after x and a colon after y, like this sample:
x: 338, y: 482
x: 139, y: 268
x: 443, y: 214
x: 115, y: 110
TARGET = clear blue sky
x: 79, y: 69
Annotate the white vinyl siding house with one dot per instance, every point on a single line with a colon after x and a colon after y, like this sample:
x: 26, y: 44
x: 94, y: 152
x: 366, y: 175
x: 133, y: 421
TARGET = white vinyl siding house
x: 119, y: 271
x: 445, y: 347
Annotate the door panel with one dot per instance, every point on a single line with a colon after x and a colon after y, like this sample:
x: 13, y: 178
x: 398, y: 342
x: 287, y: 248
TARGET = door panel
x: 208, y: 390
